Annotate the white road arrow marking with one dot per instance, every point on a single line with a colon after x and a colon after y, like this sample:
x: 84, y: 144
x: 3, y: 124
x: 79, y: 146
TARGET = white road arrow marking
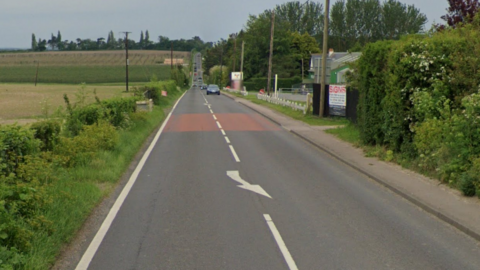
x: 245, y: 185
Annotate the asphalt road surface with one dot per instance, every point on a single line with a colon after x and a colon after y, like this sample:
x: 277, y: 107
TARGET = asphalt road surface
x: 224, y: 188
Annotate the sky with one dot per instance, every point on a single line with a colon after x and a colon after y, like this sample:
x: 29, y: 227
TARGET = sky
x: 211, y: 20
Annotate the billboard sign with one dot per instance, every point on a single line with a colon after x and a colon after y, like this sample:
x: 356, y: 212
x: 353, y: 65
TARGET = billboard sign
x: 337, y: 100
x: 237, y: 76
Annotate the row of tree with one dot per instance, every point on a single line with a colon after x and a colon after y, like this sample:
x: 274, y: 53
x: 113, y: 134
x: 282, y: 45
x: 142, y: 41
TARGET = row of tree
x: 144, y: 43
x: 298, y: 32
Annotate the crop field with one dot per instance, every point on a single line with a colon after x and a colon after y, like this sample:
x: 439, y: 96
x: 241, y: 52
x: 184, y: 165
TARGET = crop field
x: 90, y: 67
x: 24, y: 103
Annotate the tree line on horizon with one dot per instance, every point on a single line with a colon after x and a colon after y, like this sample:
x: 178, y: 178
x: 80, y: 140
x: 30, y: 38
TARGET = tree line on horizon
x: 55, y: 43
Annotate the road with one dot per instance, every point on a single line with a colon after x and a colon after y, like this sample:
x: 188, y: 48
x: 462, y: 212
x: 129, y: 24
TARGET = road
x: 224, y: 188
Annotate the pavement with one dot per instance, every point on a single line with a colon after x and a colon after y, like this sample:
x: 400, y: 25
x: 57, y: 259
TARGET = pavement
x: 445, y: 203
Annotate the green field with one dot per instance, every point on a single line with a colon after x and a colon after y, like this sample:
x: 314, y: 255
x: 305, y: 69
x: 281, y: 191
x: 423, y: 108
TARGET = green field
x: 82, y: 74
x: 87, y: 66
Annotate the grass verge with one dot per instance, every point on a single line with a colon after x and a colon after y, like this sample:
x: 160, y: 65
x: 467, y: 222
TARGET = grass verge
x: 297, y: 115
x: 78, y: 190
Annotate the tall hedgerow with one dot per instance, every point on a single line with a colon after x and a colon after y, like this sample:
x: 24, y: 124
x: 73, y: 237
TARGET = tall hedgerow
x: 419, y: 96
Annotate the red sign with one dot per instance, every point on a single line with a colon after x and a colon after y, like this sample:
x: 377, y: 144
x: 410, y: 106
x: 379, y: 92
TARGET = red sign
x: 164, y: 93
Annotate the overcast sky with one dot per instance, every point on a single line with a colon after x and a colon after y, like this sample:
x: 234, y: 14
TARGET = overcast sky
x: 209, y: 19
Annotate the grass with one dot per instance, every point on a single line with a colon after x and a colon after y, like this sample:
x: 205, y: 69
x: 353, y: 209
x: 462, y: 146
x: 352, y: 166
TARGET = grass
x: 25, y: 101
x: 348, y: 133
x: 297, y: 115
x: 80, y: 189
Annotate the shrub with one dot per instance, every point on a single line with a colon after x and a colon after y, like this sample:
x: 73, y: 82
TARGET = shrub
x: 15, y: 143
x: 82, y: 148
x: 48, y: 132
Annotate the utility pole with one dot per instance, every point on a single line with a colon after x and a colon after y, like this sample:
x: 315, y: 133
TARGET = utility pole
x: 241, y: 66
x: 241, y: 62
x: 271, y: 54
x: 221, y: 67
x: 171, y: 55
x: 234, y: 51
x: 126, y: 58
x: 324, y: 58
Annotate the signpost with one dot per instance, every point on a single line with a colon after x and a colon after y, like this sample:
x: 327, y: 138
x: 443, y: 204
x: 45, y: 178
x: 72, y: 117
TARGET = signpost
x: 337, y: 100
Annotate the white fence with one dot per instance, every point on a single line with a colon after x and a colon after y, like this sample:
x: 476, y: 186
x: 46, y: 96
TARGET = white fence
x: 287, y: 103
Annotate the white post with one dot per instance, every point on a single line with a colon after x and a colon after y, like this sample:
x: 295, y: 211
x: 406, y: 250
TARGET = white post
x: 276, y: 78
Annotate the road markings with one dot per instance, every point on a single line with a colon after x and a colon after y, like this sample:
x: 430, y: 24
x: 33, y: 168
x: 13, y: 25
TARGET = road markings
x: 234, y: 154
x: 226, y: 139
x: 218, y: 124
x: 214, y: 117
x: 283, y: 248
x: 97, y: 240
x: 245, y: 185
x: 223, y: 132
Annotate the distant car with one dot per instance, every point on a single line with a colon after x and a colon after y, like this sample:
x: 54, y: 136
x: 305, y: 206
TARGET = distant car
x: 213, y: 89
x: 203, y: 87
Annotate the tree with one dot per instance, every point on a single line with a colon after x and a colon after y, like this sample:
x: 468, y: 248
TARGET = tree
x: 460, y: 11
x: 257, y: 40
x: 302, y: 48
x: 52, y: 42
x: 60, y: 45
x: 42, y: 45
x: 141, y: 42
x: 302, y: 18
x: 111, y: 42
x: 147, y: 41
x: 34, y: 43
x: 362, y: 21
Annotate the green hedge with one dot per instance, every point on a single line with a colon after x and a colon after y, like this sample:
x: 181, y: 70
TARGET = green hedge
x: 255, y: 84
x: 419, y: 97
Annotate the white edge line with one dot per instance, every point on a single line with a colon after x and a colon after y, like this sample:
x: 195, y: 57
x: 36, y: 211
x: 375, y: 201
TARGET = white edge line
x: 234, y: 154
x: 283, y: 248
x: 97, y: 240
x: 219, y: 126
x: 223, y: 132
x: 226, y: 139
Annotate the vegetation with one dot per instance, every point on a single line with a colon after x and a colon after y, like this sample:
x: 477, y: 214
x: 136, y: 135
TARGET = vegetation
x: 419, y: 98
x: 87, y: 67
x: 144, y: 43
x: 53, y: 173
x: 298, y: 33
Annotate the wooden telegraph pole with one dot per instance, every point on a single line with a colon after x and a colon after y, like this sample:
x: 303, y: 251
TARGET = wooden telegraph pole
x: 271, y: 54
x: 324, y: 58
x: 171, y: 55
x: 126, y: 59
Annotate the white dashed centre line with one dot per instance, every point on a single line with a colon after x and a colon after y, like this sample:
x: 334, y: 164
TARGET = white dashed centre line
x: 283, y: 248
x: 214, y: 117
x: 226, y: 139
x: 223, y: 132
x: 219, y: 126
x: 234, y: 154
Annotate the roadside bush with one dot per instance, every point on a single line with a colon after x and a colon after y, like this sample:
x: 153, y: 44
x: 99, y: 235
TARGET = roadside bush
x: 15, y: 143
x: 116, y: 110
x: 156, y: 89
x: 371, y: 84
x: 48, y: 132
x: 81, y: 149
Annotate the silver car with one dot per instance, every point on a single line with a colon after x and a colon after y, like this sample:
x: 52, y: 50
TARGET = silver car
x: 213, y: 89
